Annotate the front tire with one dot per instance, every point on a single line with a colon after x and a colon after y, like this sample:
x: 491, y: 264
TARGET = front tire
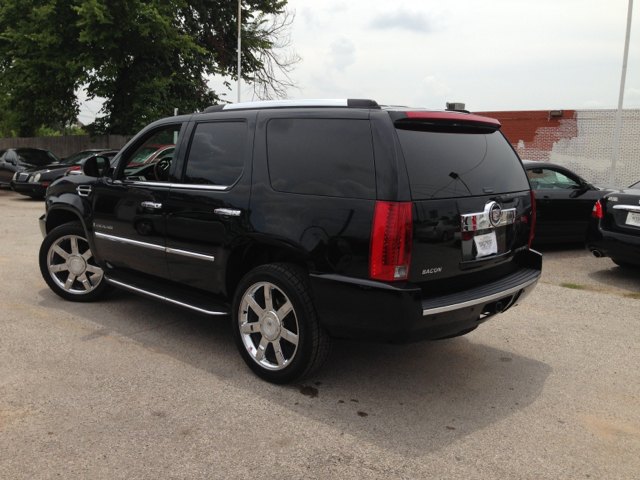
x: 68, y: 266
x: 275, y: 324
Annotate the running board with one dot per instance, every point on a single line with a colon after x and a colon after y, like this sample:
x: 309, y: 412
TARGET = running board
x: 160, y: 291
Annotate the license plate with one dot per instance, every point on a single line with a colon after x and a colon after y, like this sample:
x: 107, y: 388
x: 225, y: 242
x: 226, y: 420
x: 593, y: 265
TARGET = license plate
x: 633, y: 219
x: 486, y: 244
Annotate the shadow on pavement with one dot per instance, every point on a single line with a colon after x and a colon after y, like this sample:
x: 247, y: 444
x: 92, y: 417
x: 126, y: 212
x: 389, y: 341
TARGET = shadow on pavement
x: 619, y: 277
x: 411, y: 399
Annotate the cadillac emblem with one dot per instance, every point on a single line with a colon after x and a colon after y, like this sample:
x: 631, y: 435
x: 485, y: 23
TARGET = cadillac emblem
x: 495, y: 214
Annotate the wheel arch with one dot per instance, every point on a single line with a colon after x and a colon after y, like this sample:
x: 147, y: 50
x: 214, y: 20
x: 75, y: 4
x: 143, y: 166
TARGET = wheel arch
x: 57, y: 216
x: 253, y: 254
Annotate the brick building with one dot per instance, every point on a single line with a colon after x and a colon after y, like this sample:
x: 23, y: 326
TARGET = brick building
x: 581, y: 140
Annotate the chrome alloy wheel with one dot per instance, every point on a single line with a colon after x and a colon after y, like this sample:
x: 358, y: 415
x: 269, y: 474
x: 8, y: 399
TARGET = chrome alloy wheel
x: 71, y: 265
x: 268, y: 326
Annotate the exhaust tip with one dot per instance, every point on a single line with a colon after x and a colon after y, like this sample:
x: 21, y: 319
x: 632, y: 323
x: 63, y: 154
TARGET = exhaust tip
x: 597, y: 253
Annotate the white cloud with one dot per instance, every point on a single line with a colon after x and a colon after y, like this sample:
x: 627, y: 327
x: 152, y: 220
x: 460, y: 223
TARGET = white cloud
x: 402, y: 19
x: 343, y: 53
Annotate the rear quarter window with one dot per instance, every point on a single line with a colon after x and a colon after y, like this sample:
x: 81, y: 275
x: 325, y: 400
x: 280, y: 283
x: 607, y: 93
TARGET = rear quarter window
x: 330, y: 157
x: 446, y: 165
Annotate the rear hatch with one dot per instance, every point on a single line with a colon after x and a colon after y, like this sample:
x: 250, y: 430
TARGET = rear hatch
x: 471, y: 200
x: 622, y: 211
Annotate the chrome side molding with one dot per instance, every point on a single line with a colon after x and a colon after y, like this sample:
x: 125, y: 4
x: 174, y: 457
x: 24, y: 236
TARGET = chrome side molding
x: 154, y: 246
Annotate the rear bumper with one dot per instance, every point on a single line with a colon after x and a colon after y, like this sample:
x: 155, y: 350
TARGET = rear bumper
x: 619, y: 246
x: 363, y: 309
x: 30, y: 189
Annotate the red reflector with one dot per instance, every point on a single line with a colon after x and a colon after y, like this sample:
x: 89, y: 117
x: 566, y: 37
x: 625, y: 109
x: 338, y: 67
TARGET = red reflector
x: 390, y: 252
x: 597, y: 210
x: 467, y: 235
x: 532, y: 231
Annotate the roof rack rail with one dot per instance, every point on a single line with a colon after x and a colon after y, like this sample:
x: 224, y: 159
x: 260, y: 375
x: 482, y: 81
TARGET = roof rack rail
x: 347, y: 102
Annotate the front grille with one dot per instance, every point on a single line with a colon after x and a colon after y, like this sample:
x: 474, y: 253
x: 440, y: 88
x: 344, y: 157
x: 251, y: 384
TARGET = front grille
x: 23, y: 177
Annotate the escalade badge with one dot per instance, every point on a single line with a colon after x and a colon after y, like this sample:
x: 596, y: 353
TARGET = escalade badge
x: 495, y: 214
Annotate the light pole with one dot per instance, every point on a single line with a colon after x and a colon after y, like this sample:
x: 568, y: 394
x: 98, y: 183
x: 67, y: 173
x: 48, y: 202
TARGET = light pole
x: 239, y: 47
x: 616, y: 136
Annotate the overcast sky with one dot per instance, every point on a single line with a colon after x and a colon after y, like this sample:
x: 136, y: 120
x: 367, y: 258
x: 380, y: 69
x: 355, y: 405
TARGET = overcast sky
x: 490, y: 55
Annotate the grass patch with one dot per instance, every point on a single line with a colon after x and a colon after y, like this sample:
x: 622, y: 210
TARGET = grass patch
x: 572, y: 285
x: 633, y: 295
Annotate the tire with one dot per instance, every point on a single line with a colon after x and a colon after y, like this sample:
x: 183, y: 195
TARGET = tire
x: 287, y: 320
x: 623, y: 264
x: 68, y: 266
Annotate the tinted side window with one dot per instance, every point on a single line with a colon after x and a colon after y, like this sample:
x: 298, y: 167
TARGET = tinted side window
x: 445, y: 165
x: 216, y: 156
x: 330, y: 157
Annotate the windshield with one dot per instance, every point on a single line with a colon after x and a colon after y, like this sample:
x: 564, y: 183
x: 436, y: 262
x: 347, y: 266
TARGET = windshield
x: 144, y: 154
x: 36, y: 157
x: 76, y: 158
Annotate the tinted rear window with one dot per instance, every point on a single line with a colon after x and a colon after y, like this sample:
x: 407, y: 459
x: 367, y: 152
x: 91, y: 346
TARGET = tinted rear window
x: 446, y: 165
x: 216, y: 156
x: 330, y: 157
x: 36, y: 157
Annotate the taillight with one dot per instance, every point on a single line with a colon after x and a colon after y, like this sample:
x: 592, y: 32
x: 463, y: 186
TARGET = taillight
x: 597, y: 210
x: 390, y: 253
x: 532, y: 231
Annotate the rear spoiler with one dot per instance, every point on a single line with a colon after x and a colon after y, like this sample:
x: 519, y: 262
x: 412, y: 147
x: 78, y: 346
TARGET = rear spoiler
x: 447, y: 122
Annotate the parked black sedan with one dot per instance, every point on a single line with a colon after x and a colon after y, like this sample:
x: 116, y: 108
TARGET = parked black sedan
x: 564, y: 202
x: 34, y: 181
x: 614, y: 229
x: 16, y: 160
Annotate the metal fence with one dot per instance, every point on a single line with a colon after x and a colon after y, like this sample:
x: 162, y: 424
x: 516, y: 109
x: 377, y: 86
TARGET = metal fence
x: 65, y: 146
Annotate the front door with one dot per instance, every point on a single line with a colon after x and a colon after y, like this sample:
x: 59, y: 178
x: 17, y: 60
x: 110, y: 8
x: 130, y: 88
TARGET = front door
x: 129, y: 211
x: 207, y: 211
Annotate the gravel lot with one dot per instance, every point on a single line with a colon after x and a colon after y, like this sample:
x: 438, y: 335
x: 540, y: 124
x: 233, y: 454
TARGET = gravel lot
x: 129, y: 388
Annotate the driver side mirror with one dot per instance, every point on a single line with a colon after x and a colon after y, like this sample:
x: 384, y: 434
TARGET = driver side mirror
x: 95, y: 166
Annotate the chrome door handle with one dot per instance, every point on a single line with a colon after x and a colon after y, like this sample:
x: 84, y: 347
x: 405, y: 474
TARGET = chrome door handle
x: 228, y: 211
x: 151, y: 205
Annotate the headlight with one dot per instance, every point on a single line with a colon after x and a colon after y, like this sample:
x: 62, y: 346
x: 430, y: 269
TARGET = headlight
x: 36, y: 178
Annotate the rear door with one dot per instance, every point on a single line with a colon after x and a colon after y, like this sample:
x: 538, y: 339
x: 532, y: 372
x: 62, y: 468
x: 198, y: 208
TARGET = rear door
x: 207, y: 209
x: 466, y: 177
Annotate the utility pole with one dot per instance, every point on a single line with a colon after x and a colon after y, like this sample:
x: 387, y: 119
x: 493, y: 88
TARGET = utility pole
x: 616, y: 137
x: 239, y: 48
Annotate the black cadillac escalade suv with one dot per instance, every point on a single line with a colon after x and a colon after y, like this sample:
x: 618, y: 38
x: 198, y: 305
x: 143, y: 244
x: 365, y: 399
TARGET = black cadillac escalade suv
x: 304, y: 221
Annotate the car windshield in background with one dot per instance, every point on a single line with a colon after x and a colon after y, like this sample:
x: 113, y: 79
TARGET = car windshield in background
x: 76, y: 158
x: 445, y: 165
x: 144, y: 154
x: 36, y: 157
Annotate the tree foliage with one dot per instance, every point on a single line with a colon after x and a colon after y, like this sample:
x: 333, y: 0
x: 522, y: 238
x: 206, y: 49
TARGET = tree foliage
x: 145, y: 57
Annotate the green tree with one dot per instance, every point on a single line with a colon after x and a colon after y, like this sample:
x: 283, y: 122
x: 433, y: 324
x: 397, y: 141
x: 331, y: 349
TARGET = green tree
x: 145, y: 57
x: 40, y: 62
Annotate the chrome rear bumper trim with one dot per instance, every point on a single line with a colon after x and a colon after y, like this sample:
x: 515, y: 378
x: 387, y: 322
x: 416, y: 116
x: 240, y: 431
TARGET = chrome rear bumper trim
x: 478, y: 301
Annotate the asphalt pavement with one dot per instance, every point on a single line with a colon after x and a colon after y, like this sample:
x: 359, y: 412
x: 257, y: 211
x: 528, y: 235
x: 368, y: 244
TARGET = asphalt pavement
x: 128, y: 388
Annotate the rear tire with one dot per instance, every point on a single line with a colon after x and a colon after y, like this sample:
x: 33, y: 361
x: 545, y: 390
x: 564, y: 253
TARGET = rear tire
x: 275, y: 326
x: 68, y: 266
